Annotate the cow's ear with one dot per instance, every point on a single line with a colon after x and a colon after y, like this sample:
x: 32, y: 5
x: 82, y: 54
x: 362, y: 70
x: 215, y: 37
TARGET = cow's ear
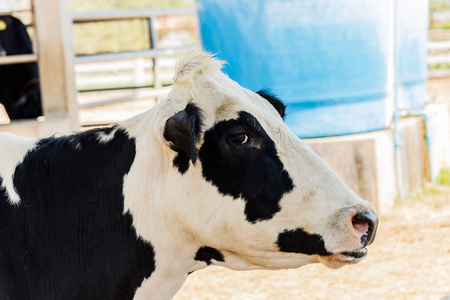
x: 182, y: 131
x: 269, y: 96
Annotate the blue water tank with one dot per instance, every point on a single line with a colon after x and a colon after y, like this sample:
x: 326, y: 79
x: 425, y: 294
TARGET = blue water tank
x: 329, y: 60
x: 411, y: 56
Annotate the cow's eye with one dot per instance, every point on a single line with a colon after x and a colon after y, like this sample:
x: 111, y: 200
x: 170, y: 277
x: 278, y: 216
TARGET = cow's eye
x: 240, y: 138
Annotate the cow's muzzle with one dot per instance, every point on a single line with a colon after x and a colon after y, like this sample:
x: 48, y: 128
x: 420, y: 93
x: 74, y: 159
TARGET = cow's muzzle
x: 364, y: 226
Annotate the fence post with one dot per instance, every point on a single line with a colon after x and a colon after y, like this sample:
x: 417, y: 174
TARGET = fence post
x: 153, y: 40
x: 55, y: 60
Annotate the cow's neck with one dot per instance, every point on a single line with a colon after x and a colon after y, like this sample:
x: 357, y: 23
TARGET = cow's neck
x: 144, y: 198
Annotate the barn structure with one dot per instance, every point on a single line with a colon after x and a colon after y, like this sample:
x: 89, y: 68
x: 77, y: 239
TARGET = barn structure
x: 51, y: 26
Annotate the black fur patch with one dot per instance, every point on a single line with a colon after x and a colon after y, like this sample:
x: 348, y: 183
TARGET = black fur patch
x: 2, y: 190
x: 207, y: 254
x: 68, y: 238
x: 299, y: 241
x: 269, y: 96
x: 251, y: 171
x: 181, y: 161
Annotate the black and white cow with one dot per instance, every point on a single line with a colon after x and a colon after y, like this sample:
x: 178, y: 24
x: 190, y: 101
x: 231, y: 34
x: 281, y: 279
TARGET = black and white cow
x: 211, y: 175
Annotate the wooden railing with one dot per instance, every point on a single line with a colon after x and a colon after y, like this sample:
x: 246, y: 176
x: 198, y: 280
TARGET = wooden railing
x: 442, y: 47
x: 154, y: 53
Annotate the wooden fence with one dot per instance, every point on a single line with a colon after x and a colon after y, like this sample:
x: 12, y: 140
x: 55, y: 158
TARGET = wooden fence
x: 439, y: 56
x: 54, y: 53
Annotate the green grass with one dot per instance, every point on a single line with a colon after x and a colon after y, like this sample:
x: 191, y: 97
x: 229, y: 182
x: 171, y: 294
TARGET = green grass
x: 444, y: 177
x: 439, y: 66
x: 436, y: 5
x: 430, y: 193
x: 416, y: 195
x: 124, y: 35
x: 440, y: 25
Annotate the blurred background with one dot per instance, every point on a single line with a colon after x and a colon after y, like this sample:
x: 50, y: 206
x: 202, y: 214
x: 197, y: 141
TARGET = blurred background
x: 367, y: 84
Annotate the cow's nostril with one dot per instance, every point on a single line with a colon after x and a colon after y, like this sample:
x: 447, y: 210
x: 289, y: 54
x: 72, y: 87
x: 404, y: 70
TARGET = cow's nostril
x: 360, y: 227
x: 365, y: 225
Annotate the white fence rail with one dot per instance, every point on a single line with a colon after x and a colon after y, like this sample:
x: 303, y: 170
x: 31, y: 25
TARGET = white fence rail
x: 135, y: 72
x: 151, y: 53
x: 18, y: 59
x: 439, y: 58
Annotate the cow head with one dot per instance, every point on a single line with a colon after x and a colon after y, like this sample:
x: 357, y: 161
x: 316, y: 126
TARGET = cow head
x: 243, y: 188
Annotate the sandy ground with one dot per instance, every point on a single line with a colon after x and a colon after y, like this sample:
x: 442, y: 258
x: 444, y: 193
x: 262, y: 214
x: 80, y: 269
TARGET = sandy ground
x: 410, y: 259
x: 438, y: 90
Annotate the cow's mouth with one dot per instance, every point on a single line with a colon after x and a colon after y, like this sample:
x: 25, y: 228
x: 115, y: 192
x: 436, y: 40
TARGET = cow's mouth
x: 356, y: 254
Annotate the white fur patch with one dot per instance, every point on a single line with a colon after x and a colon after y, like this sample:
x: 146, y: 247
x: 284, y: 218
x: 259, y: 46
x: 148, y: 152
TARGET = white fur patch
x: 195, y: 62
x: 76, y: 144
x: 12, y: 152
x: 104, y: 138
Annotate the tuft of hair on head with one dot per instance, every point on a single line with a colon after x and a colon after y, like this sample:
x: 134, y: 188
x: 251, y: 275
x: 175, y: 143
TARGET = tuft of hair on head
x: 195, y: 62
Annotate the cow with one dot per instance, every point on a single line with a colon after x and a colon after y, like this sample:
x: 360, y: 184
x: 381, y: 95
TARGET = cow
x: 20, y: 91
x: 210, y: 176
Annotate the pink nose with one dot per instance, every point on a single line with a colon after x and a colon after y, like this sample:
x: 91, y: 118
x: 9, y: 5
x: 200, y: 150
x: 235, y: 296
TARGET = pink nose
x: 365, y: 226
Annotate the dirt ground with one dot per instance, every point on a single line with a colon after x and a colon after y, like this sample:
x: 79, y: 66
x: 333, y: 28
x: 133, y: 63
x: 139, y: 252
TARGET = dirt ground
x: 438, y: 90
x: 410, y: 259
